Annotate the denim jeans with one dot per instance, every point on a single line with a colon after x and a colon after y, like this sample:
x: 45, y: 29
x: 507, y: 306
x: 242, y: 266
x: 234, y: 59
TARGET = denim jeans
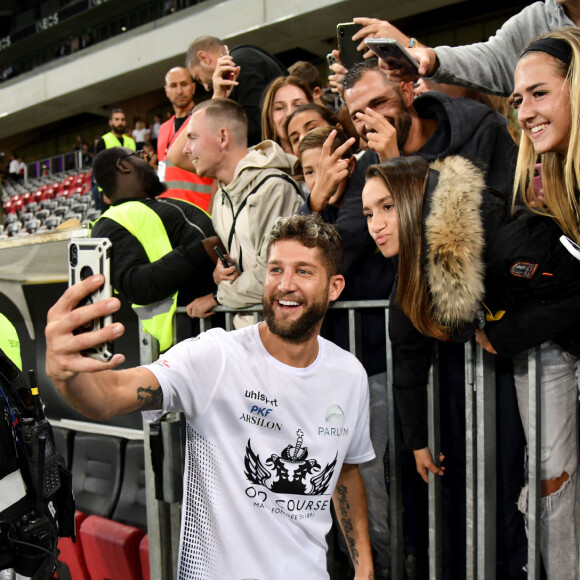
x: 559, y: 455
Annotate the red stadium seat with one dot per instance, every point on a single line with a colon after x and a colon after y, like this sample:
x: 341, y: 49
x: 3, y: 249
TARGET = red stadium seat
x: 111, y: 549
x: 144, y: 555
x: 71, y: 553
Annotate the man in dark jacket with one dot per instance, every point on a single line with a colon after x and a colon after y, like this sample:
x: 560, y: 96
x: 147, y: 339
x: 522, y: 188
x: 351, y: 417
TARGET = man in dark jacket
x: 434, y: 126
x: 241, y: 74
x: 138, y: 224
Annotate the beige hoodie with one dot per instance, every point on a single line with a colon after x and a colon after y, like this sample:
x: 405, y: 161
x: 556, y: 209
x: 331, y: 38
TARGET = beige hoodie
x: 260, y: 192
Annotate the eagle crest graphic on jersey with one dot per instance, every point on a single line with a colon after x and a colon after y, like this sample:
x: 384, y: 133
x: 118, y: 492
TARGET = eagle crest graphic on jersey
x: 290, y: 472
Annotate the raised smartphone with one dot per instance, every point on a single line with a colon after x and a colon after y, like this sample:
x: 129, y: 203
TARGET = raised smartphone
x: 391, y: 51
x: 349, y: 55
x: 86, y: 257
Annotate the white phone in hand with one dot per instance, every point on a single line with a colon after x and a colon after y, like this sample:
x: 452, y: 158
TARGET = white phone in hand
x: 87, y: 257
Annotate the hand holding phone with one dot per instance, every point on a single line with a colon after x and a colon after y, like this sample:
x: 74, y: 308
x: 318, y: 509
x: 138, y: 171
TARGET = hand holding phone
x: 394, y: 55
x: 225, y: 74
x: 87, y: 257
x: 225, y: 262
x: 349, y: 54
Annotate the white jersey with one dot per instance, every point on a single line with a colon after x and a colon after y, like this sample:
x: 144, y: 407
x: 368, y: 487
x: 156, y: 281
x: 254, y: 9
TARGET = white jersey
x: 265, y: 445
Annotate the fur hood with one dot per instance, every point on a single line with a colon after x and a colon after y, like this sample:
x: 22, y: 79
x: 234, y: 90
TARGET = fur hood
x: 455, y: 240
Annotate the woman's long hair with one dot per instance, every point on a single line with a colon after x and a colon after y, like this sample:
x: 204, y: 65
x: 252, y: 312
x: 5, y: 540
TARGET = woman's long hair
x: 406, y: 180
x: 560, y: 173
x: 268, y: 129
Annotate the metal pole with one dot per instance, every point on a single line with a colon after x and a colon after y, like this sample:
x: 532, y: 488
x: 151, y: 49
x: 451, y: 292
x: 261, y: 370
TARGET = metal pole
x: 163, y: 520
x: 486, y: 465
x: 395, y: 479
x: 470, y: 464
x: 534, y: 456
x: 434, y: 417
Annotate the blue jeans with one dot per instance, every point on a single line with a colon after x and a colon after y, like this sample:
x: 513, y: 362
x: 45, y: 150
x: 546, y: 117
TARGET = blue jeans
x: 559, y: 455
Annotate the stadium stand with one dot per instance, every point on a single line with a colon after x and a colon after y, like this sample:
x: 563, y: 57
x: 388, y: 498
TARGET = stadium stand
x: 31, y: 208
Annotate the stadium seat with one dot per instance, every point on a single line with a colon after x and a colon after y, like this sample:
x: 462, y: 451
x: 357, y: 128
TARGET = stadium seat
x: 111, y: 549
x: 92, y: 215
x: 144, y: 557
x: 32, y: 225
x: 42, y: 214
x: 52, y: 221
x: 131, y: 507
x: 79, y: 208
x: 97, y: 470
x: 13, y: 228
x: 71, y: 554
x: 60, y: 211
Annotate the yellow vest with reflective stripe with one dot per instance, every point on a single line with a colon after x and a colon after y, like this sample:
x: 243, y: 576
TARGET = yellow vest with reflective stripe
x: 9, y: 341
x: 111, y: 140
x: 143, y: 223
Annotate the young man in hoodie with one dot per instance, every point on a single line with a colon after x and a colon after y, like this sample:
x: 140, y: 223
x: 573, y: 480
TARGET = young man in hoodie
x: 254, y: 190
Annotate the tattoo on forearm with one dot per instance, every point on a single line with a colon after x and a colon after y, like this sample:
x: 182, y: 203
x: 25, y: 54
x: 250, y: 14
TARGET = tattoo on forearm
x: 343, y: 509
x: 151, y: 399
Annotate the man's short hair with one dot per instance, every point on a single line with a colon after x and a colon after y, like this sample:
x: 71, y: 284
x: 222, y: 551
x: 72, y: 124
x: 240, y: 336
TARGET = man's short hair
x: 114, y: 111
x: 104, y: 169
x: 356, y: 72
x: 307, y: 72
x: 229, y: 114
x: 207, y: 43
x: 312, y: 232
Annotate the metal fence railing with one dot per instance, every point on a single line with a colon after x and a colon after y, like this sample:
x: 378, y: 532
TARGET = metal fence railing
x: 480, y: 444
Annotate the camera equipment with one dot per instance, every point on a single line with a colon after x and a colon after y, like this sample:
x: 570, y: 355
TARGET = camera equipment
x: 36, y: 501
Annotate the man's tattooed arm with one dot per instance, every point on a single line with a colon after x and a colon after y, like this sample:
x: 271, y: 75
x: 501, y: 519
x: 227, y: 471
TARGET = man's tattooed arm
x: 350, y: 505
x: 149, y: 398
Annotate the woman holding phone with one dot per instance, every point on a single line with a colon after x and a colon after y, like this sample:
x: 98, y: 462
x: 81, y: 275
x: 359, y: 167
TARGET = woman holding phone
x: 527, y: 280
x: 547, y: 273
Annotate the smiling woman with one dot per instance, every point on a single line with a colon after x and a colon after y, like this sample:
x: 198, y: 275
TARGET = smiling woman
x: 534, y: 281
x: 547, y: 96
x: 282, y: 97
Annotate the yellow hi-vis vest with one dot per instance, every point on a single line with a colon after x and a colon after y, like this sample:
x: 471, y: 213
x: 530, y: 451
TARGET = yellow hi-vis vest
x: 111, y: 140
x: 9, y: 341
x: 142, y: 222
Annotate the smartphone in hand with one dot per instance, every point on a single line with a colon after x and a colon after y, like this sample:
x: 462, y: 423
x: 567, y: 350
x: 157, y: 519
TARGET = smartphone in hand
x: 225, y: 262
x: 349, y: 55
x: 87, y: 257
x: 391, y: 51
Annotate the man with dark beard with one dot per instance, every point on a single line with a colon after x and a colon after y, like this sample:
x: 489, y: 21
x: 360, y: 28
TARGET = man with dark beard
x: 159, y: 259
x: 116, y: 136
x: 435, y: 126
x: 277, y: 417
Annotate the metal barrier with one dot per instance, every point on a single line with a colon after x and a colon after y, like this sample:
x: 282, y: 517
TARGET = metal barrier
x: 55, y: 164
x: 480, y: 443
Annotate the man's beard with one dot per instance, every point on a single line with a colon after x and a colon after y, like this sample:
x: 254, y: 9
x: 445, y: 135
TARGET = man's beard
x: 403, y: 125
x: 301, y: 329
x: 119, y: 129
x: 152, y: 187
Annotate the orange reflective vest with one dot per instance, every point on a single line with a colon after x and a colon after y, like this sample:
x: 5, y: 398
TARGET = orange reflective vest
x: 181, y: 184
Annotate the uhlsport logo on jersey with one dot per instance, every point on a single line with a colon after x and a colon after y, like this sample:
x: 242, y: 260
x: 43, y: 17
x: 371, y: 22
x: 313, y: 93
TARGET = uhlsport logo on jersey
x: 334, y: 420
x: 291, y: 472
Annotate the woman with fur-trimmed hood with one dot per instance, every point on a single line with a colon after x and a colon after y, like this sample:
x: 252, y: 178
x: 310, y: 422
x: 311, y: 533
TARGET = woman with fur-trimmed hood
x: 436, y: 221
